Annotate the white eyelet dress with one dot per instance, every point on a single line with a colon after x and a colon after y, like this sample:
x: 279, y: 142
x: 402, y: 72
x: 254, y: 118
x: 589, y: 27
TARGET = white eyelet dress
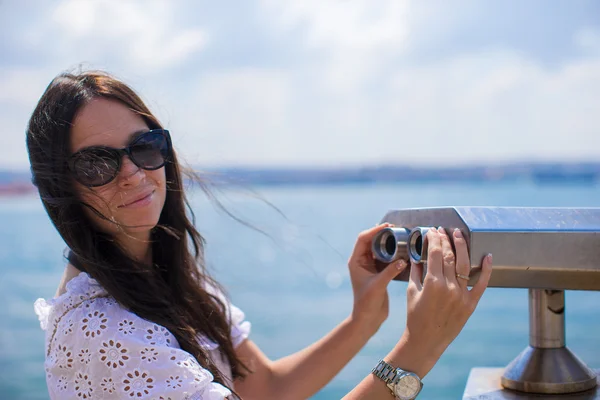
x: 95, y: 349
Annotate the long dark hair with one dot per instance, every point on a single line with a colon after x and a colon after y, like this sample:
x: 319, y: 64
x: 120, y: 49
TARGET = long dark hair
x: 173, y: 292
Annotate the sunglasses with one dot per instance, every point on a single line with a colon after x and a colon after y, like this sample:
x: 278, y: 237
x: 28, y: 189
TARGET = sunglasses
x: 99, y: 165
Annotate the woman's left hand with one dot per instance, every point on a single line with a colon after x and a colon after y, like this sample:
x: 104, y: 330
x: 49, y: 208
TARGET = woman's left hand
x: 371, y: 302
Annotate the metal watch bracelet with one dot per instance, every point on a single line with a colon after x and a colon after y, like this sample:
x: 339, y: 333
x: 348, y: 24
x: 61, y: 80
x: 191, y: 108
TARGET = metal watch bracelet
x: 392, y: 377
x: 387, y: 373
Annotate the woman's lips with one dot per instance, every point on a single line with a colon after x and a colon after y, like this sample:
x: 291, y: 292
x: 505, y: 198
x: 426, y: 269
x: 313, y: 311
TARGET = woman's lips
x: 142, y: 202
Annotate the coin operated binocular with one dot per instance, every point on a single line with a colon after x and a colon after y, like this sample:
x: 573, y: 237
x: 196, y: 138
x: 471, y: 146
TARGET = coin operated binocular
x: 548, y: 251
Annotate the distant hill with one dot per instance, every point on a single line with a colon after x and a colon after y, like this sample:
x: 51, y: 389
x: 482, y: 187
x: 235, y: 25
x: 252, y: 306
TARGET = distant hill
x: 542, y: 173
x: 18, y: 182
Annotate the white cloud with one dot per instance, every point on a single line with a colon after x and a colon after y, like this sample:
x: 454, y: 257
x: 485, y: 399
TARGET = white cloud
x: 498, y: 106
x: 234, y: 116
x: 20, y: 89
x: 143, y: 35
x: 354, y: 93
x: 588, y: 39
x: 354, y: 38
x: 361, y: 24
x: 22, y: 86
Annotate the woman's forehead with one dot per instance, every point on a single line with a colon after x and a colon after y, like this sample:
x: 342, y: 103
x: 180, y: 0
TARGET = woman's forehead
x: 104, y: 122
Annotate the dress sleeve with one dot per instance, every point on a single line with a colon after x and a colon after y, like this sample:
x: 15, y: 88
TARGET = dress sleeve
x: 100, y: 350
x: 240, y: 327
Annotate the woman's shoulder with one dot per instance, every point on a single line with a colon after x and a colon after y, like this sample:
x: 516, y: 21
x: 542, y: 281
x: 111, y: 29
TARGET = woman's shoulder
x: 85, y: 311
x: 80, y: 290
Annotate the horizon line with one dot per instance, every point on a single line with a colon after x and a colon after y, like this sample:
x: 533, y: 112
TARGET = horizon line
x: 349, y: 166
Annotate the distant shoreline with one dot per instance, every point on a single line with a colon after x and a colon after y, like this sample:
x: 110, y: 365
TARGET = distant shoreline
x: 16, y: 183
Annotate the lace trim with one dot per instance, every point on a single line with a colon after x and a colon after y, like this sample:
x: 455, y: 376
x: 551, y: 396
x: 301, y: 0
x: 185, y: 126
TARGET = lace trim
x: 65, y: 313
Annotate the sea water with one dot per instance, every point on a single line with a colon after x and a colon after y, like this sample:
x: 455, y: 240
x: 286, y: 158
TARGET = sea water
x: 288, y: 273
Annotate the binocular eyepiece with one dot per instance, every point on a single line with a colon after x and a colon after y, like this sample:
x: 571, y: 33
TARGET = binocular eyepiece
x: 391, y: 244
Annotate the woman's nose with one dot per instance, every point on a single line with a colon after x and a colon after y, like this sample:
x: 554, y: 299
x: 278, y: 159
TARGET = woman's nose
x: 130, y: 174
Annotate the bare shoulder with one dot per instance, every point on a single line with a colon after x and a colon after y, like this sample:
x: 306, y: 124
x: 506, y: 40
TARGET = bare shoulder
x: 69, y: 273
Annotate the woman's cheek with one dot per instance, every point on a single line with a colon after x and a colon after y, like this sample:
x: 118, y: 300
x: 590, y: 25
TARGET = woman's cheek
x: 99, y: 201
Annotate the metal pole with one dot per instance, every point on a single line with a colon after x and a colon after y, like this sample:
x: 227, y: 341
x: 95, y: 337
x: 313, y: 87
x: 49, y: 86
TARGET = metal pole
x: 547, y: 366
x: 546, y: 318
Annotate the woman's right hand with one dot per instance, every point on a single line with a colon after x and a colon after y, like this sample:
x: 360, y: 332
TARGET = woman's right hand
x: 439, y: 305
x: 438, y: 308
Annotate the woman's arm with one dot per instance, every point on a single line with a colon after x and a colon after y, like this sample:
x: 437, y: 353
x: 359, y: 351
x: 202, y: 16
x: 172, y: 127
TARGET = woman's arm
x: 405, y: 355
x: 304, y: 373
x: 438, y: 308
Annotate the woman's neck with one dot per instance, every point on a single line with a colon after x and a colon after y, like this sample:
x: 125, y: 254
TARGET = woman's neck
x: 137, y: 247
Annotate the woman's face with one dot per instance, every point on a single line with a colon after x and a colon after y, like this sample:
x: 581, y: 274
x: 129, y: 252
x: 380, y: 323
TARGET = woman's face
x: 104, y: 122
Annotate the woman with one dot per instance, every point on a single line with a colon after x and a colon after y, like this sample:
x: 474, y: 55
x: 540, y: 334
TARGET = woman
x: 136, y: 315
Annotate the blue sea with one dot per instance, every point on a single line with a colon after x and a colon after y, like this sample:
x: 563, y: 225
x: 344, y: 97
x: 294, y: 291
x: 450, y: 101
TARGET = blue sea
x: 292, y: 281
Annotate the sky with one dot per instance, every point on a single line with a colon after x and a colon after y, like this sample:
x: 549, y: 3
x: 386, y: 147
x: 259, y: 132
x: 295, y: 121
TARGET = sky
x: 323, y: 83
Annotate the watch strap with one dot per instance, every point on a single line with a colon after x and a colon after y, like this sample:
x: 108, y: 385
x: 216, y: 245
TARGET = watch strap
x: 386, y: 372
x: 391, y: 376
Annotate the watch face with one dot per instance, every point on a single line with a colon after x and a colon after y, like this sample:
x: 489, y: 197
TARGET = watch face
x: 408, y: 387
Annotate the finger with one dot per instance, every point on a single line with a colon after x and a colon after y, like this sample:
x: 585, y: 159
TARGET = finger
x: 484, y: 278
x: 463, y: 262
x: 448, y: 258
x: 416, y: 275
x: 434, y: 254
x: 365, y: 239
x: 390, y: 272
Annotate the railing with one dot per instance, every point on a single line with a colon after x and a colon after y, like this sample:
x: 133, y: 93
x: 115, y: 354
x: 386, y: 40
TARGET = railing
x: 548, y: 251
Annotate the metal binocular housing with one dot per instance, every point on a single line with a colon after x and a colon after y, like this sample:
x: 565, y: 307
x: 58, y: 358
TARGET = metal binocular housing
x: 547, y: 250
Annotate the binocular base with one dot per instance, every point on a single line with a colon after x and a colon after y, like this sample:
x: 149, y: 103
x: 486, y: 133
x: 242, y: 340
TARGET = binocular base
x: 485, y: 384
x: 554, y: 370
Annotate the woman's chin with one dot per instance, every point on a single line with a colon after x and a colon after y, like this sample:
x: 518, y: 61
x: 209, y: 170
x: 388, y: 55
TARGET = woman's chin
x: 138, y: 228
x: 142, y: 228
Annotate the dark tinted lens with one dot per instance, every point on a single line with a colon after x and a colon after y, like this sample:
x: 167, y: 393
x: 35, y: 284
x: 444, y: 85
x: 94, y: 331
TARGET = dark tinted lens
x: 95, y: 167
x: 150, y: 150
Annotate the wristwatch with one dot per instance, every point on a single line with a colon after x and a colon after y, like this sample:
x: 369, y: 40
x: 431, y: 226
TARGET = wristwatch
x: 403, y: 384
